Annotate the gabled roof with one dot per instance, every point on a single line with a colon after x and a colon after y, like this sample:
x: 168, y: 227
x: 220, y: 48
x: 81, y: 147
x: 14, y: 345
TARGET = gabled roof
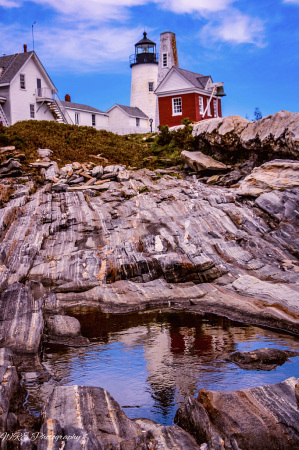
x: 82, y: 107
x: 196, y: 79
x: 12, y: 64
x: 132, y: 111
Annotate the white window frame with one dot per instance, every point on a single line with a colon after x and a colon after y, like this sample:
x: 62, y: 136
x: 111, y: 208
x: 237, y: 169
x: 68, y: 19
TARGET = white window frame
x: 137, y: 122
x: 215, y: 105
x: 177, y: 108
x: 32, y: 111
x: 164, y: 59
x: 77, y: 118
x: 150, y: 86
x: 93, y: 120
x: 201, y: 105
x: 22, y: 82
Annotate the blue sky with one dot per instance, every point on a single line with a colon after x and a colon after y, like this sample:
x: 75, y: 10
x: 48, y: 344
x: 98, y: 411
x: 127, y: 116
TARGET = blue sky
x: 250, y: 45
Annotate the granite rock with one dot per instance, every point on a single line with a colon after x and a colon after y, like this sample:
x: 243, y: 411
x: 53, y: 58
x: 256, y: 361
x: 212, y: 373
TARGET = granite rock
x: 264, y: 417
x: 199, y: 161
x: 278, y: 174
x: 261, y: 359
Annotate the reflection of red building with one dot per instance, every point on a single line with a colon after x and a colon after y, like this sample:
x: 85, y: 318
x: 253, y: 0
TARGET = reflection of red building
x: 184, y: 94
x: 186, y: 339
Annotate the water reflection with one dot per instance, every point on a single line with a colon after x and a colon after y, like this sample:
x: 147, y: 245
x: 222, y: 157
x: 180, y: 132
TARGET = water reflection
x: 150, y: 362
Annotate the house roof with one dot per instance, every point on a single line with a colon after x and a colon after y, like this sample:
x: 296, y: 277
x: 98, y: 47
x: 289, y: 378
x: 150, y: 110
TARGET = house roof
x: 82, y: 107
x: 12, y: 64
x: 131, y: 111
x: 196, y: 79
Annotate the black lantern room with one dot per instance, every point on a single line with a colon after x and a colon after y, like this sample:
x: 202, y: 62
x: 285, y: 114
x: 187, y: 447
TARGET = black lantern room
x: 145, y: 52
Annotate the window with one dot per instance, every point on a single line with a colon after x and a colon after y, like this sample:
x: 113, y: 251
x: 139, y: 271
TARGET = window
x: 22, y: 81
x: 209, y: 108
x: 137, y: 121
x: 77, y: 115
x: 39, y: 87
x: 176, y: 106
x: 93, y: 120
x: 215, y: 103
x: 164, y: 60
x: 201, y: 108
x: 32, y: 113
x: 151, y: 86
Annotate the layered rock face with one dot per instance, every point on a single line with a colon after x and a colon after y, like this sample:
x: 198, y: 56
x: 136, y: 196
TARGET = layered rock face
x: 182, y: 242
x: 130, y: 240
x: 264, y: 417
x: 275, y: 134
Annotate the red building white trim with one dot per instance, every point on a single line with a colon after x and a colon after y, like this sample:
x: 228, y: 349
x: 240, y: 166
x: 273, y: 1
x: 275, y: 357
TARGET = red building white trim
x: 184, y: 94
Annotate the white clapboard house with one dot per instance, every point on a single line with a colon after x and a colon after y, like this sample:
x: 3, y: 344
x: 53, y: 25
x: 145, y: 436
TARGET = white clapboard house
x: 27, y: 92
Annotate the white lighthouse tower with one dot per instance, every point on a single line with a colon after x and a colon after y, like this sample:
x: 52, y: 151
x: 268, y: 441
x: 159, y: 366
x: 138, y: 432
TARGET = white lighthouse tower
x: 144, y: 64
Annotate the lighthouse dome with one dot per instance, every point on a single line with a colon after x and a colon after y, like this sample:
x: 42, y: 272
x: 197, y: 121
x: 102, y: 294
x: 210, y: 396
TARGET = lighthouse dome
x: 145, y: 52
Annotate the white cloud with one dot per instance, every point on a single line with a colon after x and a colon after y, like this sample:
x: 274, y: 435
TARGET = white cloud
x: 296, y: 2
x: 82, y: 48
x: 99, y: 10
x: 9, y: 3
x: 236, y: 28
x: 192, y: 6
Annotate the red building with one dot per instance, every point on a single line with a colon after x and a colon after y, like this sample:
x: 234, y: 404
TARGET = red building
x: 184, y: 94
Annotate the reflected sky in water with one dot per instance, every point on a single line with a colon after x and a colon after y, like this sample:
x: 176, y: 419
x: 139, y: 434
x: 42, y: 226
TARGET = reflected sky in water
x: 150, y: 362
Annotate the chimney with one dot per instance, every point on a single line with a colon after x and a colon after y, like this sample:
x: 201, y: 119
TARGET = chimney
x: 25, y: 48
x: 67, y: 98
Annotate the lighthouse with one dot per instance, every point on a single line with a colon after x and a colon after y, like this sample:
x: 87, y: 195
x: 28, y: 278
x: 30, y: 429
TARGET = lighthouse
x: 144, y: 64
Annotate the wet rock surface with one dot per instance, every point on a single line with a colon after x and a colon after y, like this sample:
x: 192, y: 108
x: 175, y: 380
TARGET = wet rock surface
x: 261, y: 359
x: 93, y: 415
x: 122, y: 240
x: 264, y: 417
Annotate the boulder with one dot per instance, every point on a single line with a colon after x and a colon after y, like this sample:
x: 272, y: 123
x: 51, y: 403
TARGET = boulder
x: 92, y: 409
x: 44, y: 152
x: 52, y: 171
x: 115, y: 168
x: 198, y: 161
x: 60, y: 187
x: 265, y: 417
x: 11, y: 168
x: 278, y: 174
x: 97, y: 171
x: 65, y: 329
x: 261, y: 359
x: 274, y: 134
x: 123, y: 175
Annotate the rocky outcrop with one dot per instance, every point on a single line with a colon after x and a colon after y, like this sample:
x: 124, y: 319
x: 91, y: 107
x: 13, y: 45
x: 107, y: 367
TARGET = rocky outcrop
x: 264, y: 417
x: 198, y: 161
x: 21, y: 319
x: 274, y: 134
x: 261, y: 359
x: 91, y: 416
x: 273, y: 175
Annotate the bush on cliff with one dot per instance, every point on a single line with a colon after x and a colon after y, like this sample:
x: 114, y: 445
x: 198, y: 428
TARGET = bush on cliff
x: 72, y: 143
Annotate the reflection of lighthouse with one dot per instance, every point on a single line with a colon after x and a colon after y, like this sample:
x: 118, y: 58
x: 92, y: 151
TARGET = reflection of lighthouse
x: 144, y: 77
